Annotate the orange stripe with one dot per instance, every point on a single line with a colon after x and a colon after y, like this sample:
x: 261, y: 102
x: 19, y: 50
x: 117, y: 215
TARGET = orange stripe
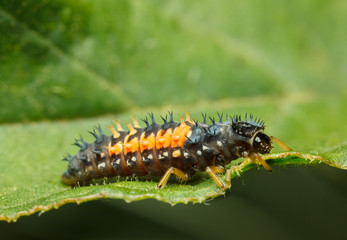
x: 115, y: 149
x: 163, y: 141
x: 131, y: 146
x: 147, y: 143
x: 179, y: 135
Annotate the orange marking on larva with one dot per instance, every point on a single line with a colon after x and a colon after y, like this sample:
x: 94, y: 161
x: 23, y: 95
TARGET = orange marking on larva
x: 163, y: 141
x: 159, y: 144
x: 135, y: 144
x: 144, y: 143
x: 147, y: 143
x: 179, y: 135
x: 176, y: 153
x: 115, y: 149
x: 128, y: 147
x: 131, y: 146
x: 111, y: 150
x: 108, y: 163
x: 159, y: 140
x: 167, y: 136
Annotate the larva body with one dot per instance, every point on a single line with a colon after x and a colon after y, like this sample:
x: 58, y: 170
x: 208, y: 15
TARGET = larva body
x: 180, y: 148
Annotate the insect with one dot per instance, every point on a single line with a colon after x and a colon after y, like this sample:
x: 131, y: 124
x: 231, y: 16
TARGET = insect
x: 181, y: 149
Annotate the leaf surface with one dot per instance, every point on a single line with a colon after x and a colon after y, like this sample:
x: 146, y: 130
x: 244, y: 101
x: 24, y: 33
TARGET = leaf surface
x: 90, y: 63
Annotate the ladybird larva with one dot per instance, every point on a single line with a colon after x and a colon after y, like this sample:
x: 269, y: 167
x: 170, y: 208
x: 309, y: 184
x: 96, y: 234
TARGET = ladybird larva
x: 181, y: 149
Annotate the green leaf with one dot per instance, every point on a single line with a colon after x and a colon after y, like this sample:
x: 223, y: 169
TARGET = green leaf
x: 32, y: 182
x: 74, y: 60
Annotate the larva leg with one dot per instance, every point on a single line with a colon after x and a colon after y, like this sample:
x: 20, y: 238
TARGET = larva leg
x: 217, y: 169
x: 258, y: 159
x: 167, y: 174
x: 212, y: 170
x: 280, y: 143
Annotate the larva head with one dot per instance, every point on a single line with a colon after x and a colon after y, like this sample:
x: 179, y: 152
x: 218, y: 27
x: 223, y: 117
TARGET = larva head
x: 249, y: 136
x: 261, y: 143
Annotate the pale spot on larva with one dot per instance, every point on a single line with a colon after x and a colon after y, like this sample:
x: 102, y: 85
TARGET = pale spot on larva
x: 176, y: 154
x: 101, y: 166
x: 130, y: 163
x: 89, y: 169
x: 204, y: 147
x: 128, y: 146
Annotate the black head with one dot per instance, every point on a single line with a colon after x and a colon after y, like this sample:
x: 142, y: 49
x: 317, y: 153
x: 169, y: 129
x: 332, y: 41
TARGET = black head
x: 261, y: 143
x: 248, y: 134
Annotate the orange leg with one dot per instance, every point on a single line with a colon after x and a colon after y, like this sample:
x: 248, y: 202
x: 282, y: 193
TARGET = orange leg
x: 280, y: 143
x: 167, y: 174
x: 217, y: 169
x: 258, y: 159
x: 212, y: 170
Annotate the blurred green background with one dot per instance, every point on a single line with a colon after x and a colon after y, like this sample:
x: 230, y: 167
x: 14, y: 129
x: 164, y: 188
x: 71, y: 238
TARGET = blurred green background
x: 283, y: 60
x: 62, y: 60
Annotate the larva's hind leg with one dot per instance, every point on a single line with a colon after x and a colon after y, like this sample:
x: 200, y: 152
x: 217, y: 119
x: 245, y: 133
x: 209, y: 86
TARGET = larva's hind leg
x: 212, y: 170
x: 167, y: 174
